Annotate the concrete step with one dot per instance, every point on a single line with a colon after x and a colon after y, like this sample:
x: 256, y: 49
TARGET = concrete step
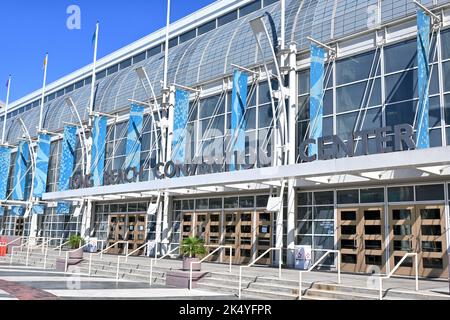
x: 232, y: 277
x: 338, y: 295
x: 156, y: 279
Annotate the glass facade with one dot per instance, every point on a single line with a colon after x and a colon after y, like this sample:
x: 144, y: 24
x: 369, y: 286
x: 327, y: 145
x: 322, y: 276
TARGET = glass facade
x: 355, y: 100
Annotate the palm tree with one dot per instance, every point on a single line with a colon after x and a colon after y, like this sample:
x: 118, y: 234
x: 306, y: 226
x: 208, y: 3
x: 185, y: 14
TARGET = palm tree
x: 193, y: 246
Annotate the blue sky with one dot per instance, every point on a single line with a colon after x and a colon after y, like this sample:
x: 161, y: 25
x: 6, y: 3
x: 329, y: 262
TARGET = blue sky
x: 29, y: 29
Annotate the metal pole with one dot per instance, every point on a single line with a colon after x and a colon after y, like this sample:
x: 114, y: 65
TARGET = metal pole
x: 151, y: 271
x: 190, y: 276
x: 417, y: 271
x: 381, y: 288
x: 90, y: 264
x: 94, y: 66
x: 43, y: 93
x: 339, y: 267
x: 300, y: 285
x: 279, y: 263
x: 6, y: 110
x: 240, y: 281
x: 117, y: 271
x: 166, y: 47
x: 283, y: 28
x: 67, y: 261
x: 230, y: 257
x: 45, y: 258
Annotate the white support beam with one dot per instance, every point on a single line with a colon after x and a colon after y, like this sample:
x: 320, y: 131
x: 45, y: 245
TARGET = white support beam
x: 436, y: 170
x: 377, y: 162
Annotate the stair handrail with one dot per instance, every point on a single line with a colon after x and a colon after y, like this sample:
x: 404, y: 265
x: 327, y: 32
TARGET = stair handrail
x: 69, y: 252
x: 25, y: 244
x: 219, y: 247
x: 300, y: 274
x: 103, y: 251
x: 254, y: 262
x: 14, y: 241
x: 46, y: 243
x: 155, y: 260
x: 416, y: 271
x: 126, y: 257
x: 60, y: 246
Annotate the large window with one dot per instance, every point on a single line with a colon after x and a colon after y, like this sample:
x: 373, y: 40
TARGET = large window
x: 315, y: 222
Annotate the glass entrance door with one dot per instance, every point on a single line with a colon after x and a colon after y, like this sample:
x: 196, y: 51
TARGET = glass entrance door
x: 361, y: 239
x: 419, y: 229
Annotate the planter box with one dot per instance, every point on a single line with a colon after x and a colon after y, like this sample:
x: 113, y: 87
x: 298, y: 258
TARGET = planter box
x: 77, y: 254
x: 195, y: 266
x: 180, y: 279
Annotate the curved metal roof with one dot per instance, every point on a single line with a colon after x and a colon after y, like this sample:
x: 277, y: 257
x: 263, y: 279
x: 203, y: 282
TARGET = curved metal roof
x: 209, y: 56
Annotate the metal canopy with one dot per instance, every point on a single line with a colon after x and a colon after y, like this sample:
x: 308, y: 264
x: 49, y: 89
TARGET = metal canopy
x: 389, y: 166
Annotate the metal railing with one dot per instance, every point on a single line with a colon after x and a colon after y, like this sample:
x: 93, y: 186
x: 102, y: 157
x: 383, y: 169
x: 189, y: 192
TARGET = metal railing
x: 126, y: 257
x: 61, y: 246
x: 300, y: 274
x: 416, y: 271
x: 155, y: 260
x: 103, y: 251
x: 204, y: 259
x: 23, y: 245
x: 254, y: 262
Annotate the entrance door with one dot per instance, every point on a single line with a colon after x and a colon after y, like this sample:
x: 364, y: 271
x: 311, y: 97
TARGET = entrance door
x: 124, y: 227
x: 419, y: 229
x: 361, y: 239
x: 238, y: 234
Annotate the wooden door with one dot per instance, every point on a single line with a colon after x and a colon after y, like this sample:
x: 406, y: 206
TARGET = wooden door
x: 349, y: 231
x: 431, y: 241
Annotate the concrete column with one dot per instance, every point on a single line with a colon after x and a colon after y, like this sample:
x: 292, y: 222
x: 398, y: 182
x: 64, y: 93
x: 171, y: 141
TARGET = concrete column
x: 33, y: 225
x: 292, y: 146
x: 165, y: 222
x: 86, y: 221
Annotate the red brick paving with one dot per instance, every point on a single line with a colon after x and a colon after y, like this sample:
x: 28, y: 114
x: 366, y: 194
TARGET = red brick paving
x: 24, y: 292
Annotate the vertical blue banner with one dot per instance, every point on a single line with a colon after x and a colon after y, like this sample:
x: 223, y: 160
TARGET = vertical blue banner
x: 20, y: 177
x: 180, y: 119
x: 20, y: 171
x: 238, y: 106
x: 5, y: 163
x: 134, y: 138
x: 98, y: 150
x: 423, y: 107
x: 42, y: 162
x: 317, y: 74
x: 66, y: 165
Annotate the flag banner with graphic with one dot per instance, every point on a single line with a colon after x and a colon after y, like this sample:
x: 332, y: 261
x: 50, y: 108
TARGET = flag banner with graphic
x: 423, y: 49
x: 180, y: 120
x: 316, y: 95
x: 5, y: 163
x: 238, y: 123
x: 20, y: 171
x: 134, y: 138
x: 38, y: 209
x: 66, y: 165
x: 42, y: 162
x: 98, y: 150
x: 18, y: 211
